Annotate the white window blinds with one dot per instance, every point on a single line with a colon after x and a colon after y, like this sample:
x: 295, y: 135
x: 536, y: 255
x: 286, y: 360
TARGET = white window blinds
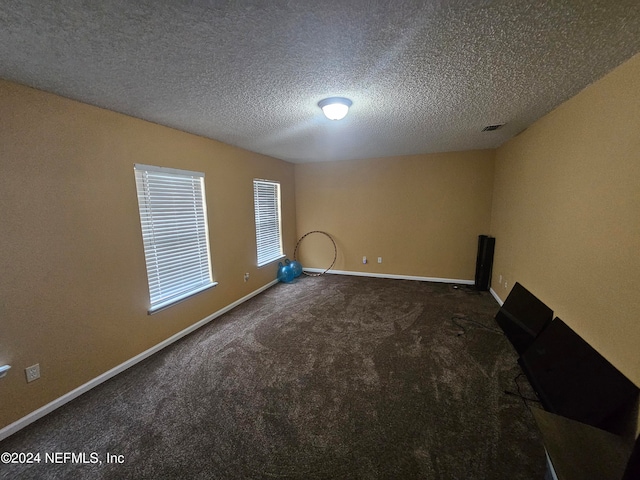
x: 266, y: 199
x: 174, y: 231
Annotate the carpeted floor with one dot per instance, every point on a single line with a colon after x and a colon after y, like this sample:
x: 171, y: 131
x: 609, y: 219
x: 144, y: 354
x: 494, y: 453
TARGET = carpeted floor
x: 331, y: 377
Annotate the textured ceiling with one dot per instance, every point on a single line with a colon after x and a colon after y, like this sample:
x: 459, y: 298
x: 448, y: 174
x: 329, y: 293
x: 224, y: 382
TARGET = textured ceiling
x: 423, y: 76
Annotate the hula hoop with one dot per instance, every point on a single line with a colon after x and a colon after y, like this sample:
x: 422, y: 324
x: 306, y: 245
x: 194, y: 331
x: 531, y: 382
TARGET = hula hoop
x: 335, y: 253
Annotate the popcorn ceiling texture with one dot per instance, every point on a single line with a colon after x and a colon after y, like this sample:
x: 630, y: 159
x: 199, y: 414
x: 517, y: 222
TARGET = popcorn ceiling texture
x: 423, y: 76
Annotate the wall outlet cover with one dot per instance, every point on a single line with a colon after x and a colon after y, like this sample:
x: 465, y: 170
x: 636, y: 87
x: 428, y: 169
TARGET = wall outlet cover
x: 32, y: 372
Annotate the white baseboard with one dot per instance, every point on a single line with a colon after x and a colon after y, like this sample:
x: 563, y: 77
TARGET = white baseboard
x: 404, y: 277
x: 495, y: 295
x: 551, y: 473
x: 389, y: 275
x: 58, y: 402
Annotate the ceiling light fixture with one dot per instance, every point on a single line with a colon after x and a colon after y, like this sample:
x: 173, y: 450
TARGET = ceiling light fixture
x: 335, y: 108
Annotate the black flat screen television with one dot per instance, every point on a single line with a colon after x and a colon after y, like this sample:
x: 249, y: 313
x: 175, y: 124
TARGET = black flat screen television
x: 522, y: 317
x: 573, y: 380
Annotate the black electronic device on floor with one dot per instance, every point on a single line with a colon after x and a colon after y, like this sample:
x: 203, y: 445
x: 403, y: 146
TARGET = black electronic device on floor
x: 522, y: 317
x: 573, y: 380
x: 576, y: 451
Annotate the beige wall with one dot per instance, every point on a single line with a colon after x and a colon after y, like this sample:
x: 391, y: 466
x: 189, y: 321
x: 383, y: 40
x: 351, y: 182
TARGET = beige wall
x: 422, y: 214
x: 566, y: 215
x: 73, y: 289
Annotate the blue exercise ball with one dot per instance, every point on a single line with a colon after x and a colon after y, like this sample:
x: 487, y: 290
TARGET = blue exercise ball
x: 296, y: 266
x: 285, y: 273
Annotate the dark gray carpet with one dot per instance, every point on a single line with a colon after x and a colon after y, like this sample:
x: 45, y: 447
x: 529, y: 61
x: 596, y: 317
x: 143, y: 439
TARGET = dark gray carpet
x: 329, y: 377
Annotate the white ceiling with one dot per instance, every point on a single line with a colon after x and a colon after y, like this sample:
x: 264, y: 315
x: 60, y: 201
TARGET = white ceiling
x: 424, y: 76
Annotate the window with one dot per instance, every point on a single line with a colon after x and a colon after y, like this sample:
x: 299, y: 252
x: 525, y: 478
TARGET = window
x: 173, y: 215
x: 266, y: 199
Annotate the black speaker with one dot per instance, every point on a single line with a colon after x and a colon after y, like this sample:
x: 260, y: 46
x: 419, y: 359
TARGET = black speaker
x: 484, y: 261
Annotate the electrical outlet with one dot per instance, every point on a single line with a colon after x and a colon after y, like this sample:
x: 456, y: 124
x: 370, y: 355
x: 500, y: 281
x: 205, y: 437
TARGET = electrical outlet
x: 505, y: 284
x: 379, y: 259
x: 364, y: 259
x: 32, y: 372
x: 246, y: 277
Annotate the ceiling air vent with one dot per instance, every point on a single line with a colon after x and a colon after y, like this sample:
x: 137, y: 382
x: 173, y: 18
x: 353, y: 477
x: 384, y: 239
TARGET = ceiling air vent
x: 491, y: 128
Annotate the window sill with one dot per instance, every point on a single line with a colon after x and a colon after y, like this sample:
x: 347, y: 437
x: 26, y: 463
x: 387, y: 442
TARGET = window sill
x: 173, y: 301
x: 260, y: 265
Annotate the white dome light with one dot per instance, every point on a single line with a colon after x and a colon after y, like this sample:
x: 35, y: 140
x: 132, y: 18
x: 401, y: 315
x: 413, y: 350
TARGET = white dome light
x: 335, y: 108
